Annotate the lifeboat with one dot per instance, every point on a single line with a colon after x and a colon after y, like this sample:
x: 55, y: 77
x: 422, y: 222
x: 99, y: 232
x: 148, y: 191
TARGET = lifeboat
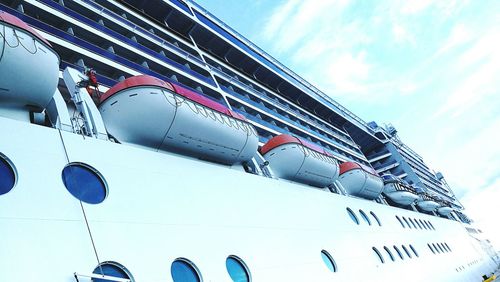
x: 29, y: 67
x: 297, y: 160
x: 398, y: 191
x: 445, y: 210
x: 147, y: 111
x: 428, y: 202
x: 361, y: 181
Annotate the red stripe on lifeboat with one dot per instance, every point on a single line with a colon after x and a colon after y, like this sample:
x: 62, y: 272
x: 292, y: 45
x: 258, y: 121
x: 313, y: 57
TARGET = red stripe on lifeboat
x: 348, y: 166
x: 15, y: 21
x: 287, y: 139
x: 147, y: 80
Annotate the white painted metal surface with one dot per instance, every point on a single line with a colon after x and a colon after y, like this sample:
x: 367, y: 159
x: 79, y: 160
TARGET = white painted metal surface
x: 161, y: 207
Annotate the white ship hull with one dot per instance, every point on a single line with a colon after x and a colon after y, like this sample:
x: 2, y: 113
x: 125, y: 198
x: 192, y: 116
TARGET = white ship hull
x: 162, y: 206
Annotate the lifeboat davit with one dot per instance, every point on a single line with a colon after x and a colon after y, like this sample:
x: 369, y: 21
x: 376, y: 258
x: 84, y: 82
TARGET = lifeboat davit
x: 428, y: 203
x: 398, y: 191
x: 361, y: 181
x: 29, y: 67
x: 297, y: 160
x: 149, y: 112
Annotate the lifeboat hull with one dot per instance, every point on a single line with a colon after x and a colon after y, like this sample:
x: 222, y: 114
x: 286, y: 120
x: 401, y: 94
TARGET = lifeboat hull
x: 428, y: 205
x: 445, y: 211
x: 360, y: 183
x: 156, y: 117
x: 402, y: 197
x: 29, y: 68
x: 296, y: 162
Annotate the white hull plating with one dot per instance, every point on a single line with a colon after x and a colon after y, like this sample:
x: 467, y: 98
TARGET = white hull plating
x: 402, y: 197
x: 29, y: 69
x: 428, y: 205
x: 162, y: 206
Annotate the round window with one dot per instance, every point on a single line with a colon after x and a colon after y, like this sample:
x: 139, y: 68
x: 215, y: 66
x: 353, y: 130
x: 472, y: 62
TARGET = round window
x: 329, y: 261
x: 365, y: 217
x: 378, y: 254
x: 389, y: 253
x: 376, y: 218
x: 84, y: 183
x: 112, y: 270
x: 406, y: 251
x: 7, y: 175
x: 237, y: 269
x: 183, y: 270
x: 399, y: 219
x: 353, y: 216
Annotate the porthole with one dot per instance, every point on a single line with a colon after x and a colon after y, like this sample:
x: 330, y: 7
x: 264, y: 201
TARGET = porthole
x: 399, y: 252
x: 444, y: 247
x: 7, y: 175
x: 430, y: 247
x: 407, y: 223
x: 112, y: 269
x: 435, y: 248
x: 413, y: 223
x: 376, y: 218
x: 440, y: 248
x: 399, y: 219
x: 414, y: 251
x: 183, y: 270
x: 427, y: 225
x: 329, y: 261
x: 379, y: 255
x: 446, y: 244
x: 406, y: 251
x: 433, y: 228
x: 237, y: 269
x: 365, y: 217
x: 422, y: 223
x: 84, y: 183
x: 353, y: 216
x: 389, y: 253
x: 418, y: 224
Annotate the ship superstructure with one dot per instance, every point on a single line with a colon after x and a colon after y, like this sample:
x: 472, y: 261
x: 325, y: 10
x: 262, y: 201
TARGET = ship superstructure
x: 176, y: 137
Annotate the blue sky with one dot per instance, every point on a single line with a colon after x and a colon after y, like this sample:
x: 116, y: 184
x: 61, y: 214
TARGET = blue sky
x: 431, y: 68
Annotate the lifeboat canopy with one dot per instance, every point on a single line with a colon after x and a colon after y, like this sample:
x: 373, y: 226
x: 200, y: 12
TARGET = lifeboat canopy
x: 149, y: 112
x: 398, y: 190
x: 428, y: 202
x: 297, y: 160
x: 29, y: 67
x: 360, y: 180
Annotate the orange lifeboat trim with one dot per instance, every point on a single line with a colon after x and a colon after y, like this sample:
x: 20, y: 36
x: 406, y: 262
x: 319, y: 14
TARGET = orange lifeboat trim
x: 348, y: 166
x: 287, y: 139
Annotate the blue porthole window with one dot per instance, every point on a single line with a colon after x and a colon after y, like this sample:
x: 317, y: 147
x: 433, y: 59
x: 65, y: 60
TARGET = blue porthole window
x: 378, y: 254
x: 406, y: 251
x: 398, y: 252
x: 407, y: 223
x: 376, y: 218
x: 237, y: 269
x: 112, y: 269
x: 84, y: 183
x: 353, y: 216
x: 365, y: 217
x: 329, y: 261
x: 183, y: 270
x: 389, y: 253
x: 401, y: 222
x: 414, y: 251
x: 7, y: 175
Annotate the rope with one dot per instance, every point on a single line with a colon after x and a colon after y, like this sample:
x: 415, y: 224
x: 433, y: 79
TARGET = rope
x: 83, y: 210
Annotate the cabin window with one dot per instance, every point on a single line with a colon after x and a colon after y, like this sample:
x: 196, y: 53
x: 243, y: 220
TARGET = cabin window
x: 389, y: 253
x: 183, y: 270
x: 406, y: 251
x: 430, y: 247
x: 413, y: 223
x: 329, y: 261
x: 237, y: 269
x: 112, y: 269
x: 353, y: 216
x: 407, y: 223
x: 7, y: 175
x: 365, y: 217
x: 376, y: 218
x: 418, y: 224
x: 401, y: 222
x: 414, y: 251
x: 440, y: 248
x: 446, y: 244
x: 84, y: 183
x: 435, y: 248
x: 378, y: 254
x: 399, y: 252
x: 432, y: 226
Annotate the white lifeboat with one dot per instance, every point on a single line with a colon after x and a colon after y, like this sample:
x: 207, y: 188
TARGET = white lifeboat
x: 428, y: 203
x: 147, y: 111
x: 398, y: 191
x: 445, y: 210
x: 29, y: 67
x: 297, y: 160
x: 361, y: 181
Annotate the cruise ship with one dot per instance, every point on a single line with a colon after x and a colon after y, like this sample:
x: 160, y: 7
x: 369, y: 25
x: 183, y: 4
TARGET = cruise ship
x: 148, y: 141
